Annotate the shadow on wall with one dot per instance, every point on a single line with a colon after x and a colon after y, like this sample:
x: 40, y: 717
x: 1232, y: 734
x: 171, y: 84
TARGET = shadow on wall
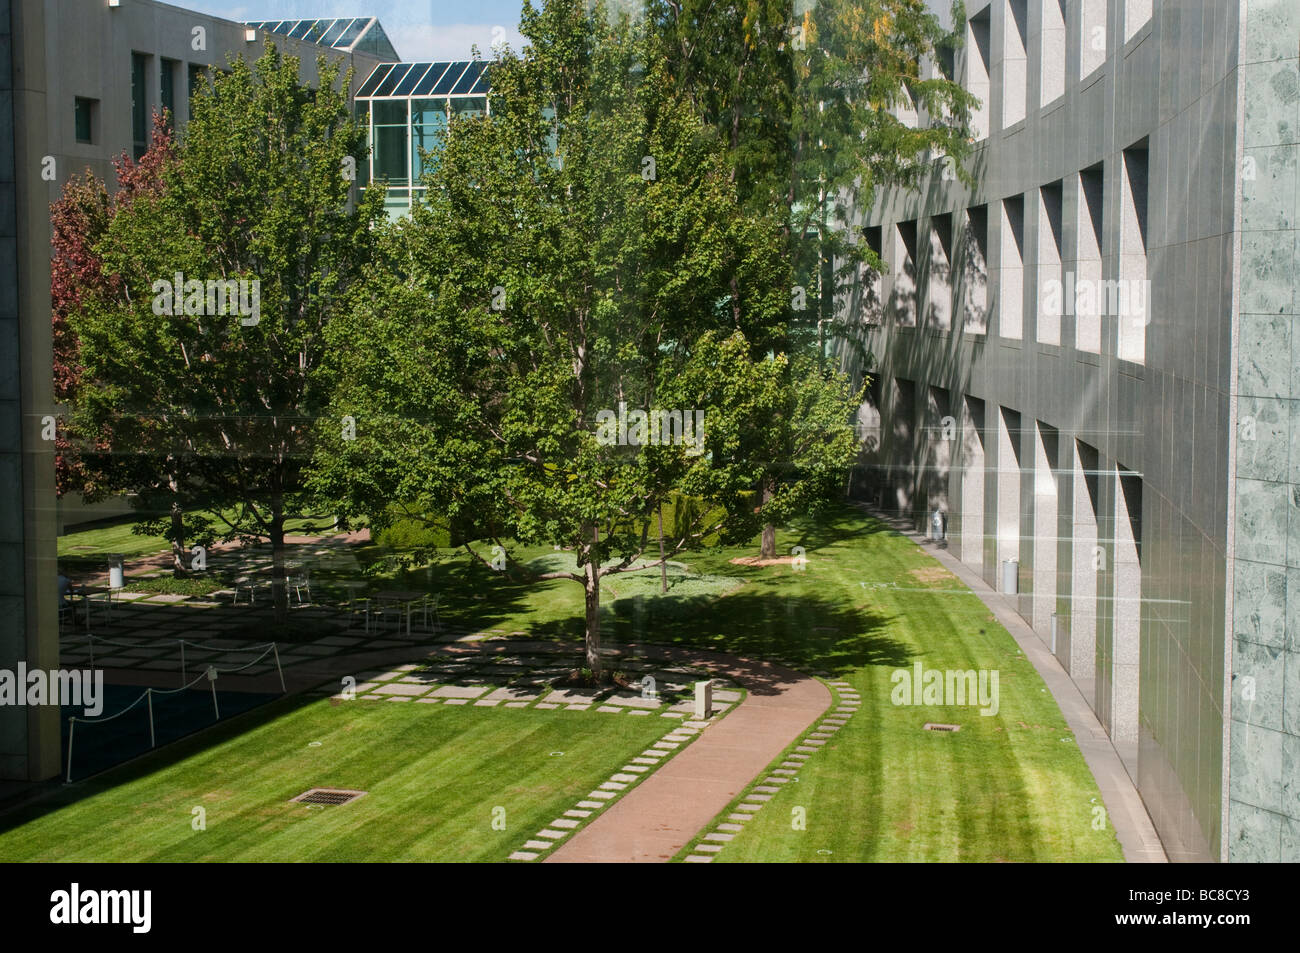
x: 922, y: 324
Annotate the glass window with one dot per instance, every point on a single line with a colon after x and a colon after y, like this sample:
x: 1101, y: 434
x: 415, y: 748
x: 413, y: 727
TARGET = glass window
x: 454, y: 72
x: 196, y: 79
x: 428, y: 125
x: 139, y: 103
x: 84, y: 112
x: 430, y: 79
x: 391, y: 152
x: 370, y: 85
x: 167, y: 83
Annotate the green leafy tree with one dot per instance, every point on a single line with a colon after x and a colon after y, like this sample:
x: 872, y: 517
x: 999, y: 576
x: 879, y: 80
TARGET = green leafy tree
x: 807, y: 98
x: 581, y: 256
x: 217, y: 385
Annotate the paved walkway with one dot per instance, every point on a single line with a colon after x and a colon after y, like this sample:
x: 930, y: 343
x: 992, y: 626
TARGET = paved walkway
x: 1124, y: 807
x: 666, y: 811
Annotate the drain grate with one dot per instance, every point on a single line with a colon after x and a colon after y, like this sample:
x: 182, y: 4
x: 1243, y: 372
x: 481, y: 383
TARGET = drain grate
x: 329, y: 796
x: 934, y: 726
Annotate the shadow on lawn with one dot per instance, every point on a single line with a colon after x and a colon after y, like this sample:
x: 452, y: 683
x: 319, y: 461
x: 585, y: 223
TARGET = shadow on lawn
x: 801, y: 631
x: 61, y: 795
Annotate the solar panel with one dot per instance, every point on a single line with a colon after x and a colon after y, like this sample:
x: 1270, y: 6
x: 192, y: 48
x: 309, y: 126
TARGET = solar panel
x: 482, y: 85
x: 392, y: 79
x: 467, y: 81
x: 417, y: 73
x: 430, y: 79
x: 449, y: 78
x: 300, y: 30
x: 374, y: 79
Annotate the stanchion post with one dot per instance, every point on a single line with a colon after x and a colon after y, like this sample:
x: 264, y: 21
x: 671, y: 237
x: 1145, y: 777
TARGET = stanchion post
x: 148, y: 697
x: 72, y: 730
x: 212, y: 680
x: 276, y: 650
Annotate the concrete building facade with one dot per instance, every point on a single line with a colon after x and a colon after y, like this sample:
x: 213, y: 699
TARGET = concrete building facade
x: 1088, y: 363
x: 79, y: 82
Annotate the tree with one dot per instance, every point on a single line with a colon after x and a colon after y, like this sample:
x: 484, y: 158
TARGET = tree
x: 806, y: 97
x: 202, y: 363
x: 581, y: 262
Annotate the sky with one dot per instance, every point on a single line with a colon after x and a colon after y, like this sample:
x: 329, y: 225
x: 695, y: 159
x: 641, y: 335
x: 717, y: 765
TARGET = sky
x: 421, y: 30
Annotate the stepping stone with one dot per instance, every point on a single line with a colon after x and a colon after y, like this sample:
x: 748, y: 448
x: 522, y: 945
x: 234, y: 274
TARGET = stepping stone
x: 523, y: 855
x: 776, y: 780
x: 573, y: 696
x: 644, y: 761
x: 695, y: 724
x: 460, y: 691
x: 538, y: 844
x: 634, y: 701
x: 807, y: 749
x: 666, y: 745
x: 456, y: 701
x: 612, y: 786
x: 679, y: 739
x: 800, y: 757
x: 767, y: 789
x: 594, y: 805
x: 725, y: 696
x: 635, y: 712
x: 625, y: 778
x: 698, y: 859
x: 838, y: 684
x: 608, y: 709
x: 730, y: 827
x: 576, y: 707
x: 552, y: 835
x: 486, y: 703
x: 576, y: 813
x: 820, y: 734
x: 544, y: 705
x: 814, y: 742
x: 751, y: 808
x: 636, y: 768
x: 672, y: 714
x: 512, y: 704
x: 429, y: 701
x: 827, y: 730
x: 739, y: 817
x: 791, y: 764
x: 757, y: 797
x: 786, y: 771
x: 684, y: 730
x: 652, y: 753
x: 717, y: 835
x: 564, y: 822
x: 515, y: 694
x: 602, y: 795
x: 710, y: 848
x: 398, y: 698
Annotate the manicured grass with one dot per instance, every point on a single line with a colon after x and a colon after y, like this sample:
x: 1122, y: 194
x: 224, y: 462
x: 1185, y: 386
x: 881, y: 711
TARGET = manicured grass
x: 1007, y: 787
x: 434, y: 775
x: 101, y: 539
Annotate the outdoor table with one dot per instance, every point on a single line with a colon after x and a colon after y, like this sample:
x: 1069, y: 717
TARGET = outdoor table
x: 402, y: 600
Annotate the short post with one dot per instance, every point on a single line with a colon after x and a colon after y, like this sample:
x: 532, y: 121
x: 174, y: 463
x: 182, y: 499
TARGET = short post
x: 184, y: 680
x: 276, y: 650
x: 148, y: 698
x: 72, y: 730
x: 704, y: 699
x: 212, y: 680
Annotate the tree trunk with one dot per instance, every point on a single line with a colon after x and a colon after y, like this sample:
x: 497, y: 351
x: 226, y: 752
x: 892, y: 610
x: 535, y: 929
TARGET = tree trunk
x: 663, y: 566
x: 592, y: 585
x: 279, y: 591
x: 179, y: 565
x: 769, y: 531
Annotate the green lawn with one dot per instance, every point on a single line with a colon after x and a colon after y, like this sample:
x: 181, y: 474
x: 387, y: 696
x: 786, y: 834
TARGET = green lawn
x: 1008, y: 787
x: 434, y: 774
